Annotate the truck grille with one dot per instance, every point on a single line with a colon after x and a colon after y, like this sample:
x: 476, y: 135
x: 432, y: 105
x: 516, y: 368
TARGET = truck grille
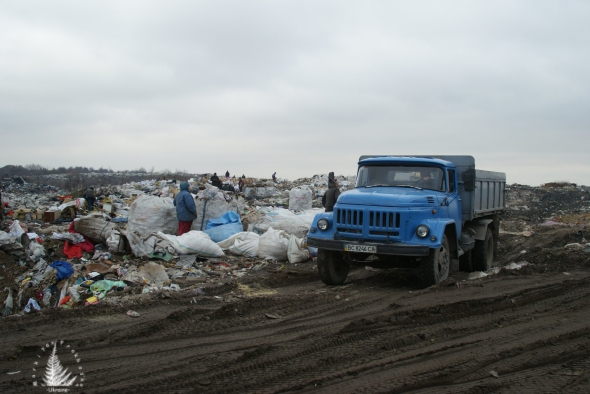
x: 378, y: 223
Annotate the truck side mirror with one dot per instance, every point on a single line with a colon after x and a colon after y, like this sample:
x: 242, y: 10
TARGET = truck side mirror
x: 469, y: 180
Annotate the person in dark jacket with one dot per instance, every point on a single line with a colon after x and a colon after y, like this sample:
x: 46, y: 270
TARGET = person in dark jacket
x: 215, y: 180
x: 186, y: 210
x: 227, y: 175
x: 1, y: 204
x: 90, y: 198
x: 331, y: 196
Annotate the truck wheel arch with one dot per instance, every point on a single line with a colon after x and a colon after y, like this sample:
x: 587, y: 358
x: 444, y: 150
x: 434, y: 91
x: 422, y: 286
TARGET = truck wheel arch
x: 451, y: 233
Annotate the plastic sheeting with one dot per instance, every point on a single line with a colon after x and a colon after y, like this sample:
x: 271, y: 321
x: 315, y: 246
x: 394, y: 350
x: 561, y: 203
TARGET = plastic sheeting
x: 224, y: 227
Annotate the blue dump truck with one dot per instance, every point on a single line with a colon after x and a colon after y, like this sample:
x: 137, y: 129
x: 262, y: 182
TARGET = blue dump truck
x: 432, y: 214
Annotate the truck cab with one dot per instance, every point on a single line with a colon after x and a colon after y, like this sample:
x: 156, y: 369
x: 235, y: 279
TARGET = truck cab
x: 415, y: 212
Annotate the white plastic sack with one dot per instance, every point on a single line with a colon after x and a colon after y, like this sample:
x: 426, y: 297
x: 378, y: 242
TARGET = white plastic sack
x: 273, y: 245
x: 150, y: 214
x: 15, y: 230
x: 300, y: 198
x: 114, y: 243
x: 284, y: 219
x: 78, y: 203
x: 144, y: 245
x: 4, y: 238
x: 193, y: 242
x: 242, y: 244
x: 296, y: 253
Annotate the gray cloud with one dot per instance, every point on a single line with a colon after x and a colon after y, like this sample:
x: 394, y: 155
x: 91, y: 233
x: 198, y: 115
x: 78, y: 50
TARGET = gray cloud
x: 297, y: 87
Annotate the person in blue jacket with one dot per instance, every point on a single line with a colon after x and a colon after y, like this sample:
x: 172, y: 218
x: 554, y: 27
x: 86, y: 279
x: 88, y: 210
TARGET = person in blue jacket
x: 186, y: 210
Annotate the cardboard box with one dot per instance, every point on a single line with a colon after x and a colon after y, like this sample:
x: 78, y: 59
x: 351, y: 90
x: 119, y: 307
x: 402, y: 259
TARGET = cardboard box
x: 51, y: 216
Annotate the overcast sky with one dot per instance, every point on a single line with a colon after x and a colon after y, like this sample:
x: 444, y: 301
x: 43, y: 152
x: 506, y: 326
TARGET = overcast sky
x: 296, y: 87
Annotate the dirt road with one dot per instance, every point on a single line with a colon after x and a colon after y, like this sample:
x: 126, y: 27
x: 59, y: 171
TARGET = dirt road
x: 375, y: 334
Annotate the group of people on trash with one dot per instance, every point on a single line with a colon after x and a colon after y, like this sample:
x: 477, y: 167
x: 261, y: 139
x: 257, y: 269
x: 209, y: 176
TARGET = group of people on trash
x: 186, y: 210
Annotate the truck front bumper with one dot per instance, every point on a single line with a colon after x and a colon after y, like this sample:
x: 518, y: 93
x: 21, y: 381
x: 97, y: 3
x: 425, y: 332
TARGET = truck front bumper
x: 396, y: 249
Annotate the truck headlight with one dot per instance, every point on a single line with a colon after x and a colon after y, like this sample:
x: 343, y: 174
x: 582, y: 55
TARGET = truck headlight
x: 422, y: 231
x: 323, y: 224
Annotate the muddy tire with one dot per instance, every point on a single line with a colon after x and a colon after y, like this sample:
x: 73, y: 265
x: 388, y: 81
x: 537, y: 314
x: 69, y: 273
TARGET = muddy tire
x: 466, y: 262
x: 435, y: 268
x: 483, y: 253
x: 332, y: 268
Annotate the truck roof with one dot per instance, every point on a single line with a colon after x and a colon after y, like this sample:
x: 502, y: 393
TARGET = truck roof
x: 457, y: 160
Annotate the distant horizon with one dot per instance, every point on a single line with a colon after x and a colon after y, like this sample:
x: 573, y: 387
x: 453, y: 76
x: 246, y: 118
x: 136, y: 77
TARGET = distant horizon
x: 219, y: 173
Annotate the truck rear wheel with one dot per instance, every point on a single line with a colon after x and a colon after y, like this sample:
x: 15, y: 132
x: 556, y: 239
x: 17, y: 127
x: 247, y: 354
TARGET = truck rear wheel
x: 435, y: 268
x: 332, y: 268
x: 483, y: 253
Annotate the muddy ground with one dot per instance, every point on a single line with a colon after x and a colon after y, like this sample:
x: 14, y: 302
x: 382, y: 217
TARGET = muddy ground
x: 283, y: 330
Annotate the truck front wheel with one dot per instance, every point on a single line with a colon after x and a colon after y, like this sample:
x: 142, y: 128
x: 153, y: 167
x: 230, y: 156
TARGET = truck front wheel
x: 332, y: 268
x: 435, y: 268
x: 483, y: 253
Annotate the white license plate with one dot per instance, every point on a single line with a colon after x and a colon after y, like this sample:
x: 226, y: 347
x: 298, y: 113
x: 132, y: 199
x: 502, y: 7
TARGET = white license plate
x: 360, y: 248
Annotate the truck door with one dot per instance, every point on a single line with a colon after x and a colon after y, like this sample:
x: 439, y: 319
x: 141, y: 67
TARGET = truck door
x: 454, y: 208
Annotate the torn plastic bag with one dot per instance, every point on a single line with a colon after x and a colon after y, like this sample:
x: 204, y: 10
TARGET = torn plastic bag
x: 16, y: 230
x: 102, y: 287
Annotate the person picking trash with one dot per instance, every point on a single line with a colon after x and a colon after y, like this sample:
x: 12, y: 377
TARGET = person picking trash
x: 186, y: 210
x: 90, y: 198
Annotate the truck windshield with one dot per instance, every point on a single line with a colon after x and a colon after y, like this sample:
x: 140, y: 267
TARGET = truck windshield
x: 403, y: 176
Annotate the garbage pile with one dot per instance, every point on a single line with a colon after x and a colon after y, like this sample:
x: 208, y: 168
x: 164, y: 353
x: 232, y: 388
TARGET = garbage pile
x: 54, y: 253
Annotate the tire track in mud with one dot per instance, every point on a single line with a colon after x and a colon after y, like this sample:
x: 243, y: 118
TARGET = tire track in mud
x: 532, y: 332
x: 309, y: 362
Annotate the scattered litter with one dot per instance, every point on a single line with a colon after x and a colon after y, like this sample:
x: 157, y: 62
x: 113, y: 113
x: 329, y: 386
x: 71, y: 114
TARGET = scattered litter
x: 272, y: 316
x: 132, y: 313
x: 494, y: 374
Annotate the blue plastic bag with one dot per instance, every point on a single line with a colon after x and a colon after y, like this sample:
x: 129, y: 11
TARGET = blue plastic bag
x: 221, y: 233
x: 226, y: 218
x: 63, y: 268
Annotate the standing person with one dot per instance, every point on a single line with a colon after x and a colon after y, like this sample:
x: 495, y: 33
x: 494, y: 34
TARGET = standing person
x: 274, y: 177
x: 89, y: 196
x: 227, y: 175
x: 331, y: 196
x: 1, y: 204
x: 186, y: 210
x: 241, y: 184
x: 215, y: 180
